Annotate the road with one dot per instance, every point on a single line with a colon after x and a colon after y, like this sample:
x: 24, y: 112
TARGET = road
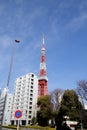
x: 6, y: 129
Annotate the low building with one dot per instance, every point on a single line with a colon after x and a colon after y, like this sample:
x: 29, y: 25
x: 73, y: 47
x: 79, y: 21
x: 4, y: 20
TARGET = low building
x: 85, y: 107
x: 8, y: 110
x: 72, y: 124
x: 5, y: 107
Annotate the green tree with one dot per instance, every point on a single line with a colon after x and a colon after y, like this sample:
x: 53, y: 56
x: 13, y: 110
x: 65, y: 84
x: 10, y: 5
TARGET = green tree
x: 45, y: 111
x: 34, y: 120
x: 70, y: 107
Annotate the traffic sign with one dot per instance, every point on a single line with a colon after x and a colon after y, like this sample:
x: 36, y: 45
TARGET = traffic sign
x: 18, y: 114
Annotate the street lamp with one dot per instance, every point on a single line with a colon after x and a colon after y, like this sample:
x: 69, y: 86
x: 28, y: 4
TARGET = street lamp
x: 0, y: 92
x: 8, y: 80
x: 11, y: 63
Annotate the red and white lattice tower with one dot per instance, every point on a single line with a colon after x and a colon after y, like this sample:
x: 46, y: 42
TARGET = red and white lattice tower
x: 42, y: 79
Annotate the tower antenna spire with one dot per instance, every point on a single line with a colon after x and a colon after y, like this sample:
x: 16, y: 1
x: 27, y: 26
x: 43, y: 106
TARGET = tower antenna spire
x: 43, y: 38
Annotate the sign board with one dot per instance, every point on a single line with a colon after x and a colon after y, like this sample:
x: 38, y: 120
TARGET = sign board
x: 18, y: 114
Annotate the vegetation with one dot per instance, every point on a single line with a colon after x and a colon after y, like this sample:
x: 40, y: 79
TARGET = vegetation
x: 10, y: 127
x: 56, y: 96
x: 34, y: 127
x: 34, y: 120
x: 39, y: 127
x: 45, y: 112
x: 82, y: 93
x: 82, y: 89
x: 70, y: 107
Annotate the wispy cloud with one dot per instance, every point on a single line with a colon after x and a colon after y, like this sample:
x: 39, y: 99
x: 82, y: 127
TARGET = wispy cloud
x: 4, y: 66
x: 5, y: 41
x: 77, y: 23
x: 70, y: 17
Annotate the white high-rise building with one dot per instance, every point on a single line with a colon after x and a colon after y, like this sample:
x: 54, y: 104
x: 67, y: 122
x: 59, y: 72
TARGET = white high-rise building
x: 25, y: 98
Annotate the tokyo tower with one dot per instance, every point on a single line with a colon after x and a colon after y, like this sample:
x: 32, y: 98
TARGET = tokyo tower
x: 42, y: 79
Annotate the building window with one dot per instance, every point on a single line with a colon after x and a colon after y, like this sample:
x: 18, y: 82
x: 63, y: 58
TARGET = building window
x: 32, y: 75
x: 29, y: 116
x: 32, y: 83
x: 30, y: 107
x: 30, y: 99
x: 31, y: 95
x: 31, y: 90
x: 29, y: 122
x: 30, y: 112
x: 30, y: 103
x: 31, y: 86
x: 32, y: 79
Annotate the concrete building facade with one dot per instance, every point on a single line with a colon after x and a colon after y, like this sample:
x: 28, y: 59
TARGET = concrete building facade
x: 25, y: 98
x: 8, y: 109
x: 6, y: 100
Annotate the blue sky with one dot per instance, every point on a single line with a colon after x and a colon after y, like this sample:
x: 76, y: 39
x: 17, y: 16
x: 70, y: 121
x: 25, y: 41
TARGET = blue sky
x: 64, y: 24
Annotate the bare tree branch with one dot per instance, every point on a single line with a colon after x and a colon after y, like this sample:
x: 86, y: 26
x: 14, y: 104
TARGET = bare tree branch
x: 82, y: 90
x: 56, y: 97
